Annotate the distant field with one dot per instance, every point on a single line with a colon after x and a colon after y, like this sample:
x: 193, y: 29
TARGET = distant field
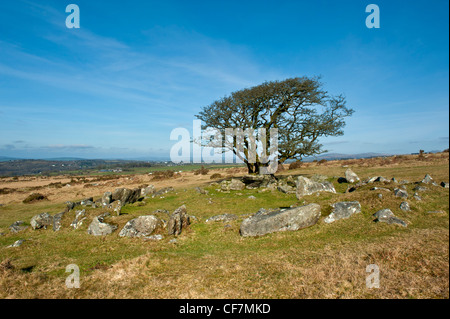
x: 211, y: 260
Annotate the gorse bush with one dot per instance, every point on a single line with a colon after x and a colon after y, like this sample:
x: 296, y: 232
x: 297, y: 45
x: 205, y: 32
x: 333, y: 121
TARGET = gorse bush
x: 34, y: 197
x: 159, y: 175
x: 216, y: 176
x: 201, y: 171
x: 295, y: 165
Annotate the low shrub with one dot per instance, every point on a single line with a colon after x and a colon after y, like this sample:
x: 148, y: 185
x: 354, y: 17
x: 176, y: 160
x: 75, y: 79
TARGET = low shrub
x: 34, y: 197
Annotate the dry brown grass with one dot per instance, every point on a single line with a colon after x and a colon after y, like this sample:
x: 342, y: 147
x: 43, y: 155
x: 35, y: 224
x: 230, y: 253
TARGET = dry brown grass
x: 336, y: 271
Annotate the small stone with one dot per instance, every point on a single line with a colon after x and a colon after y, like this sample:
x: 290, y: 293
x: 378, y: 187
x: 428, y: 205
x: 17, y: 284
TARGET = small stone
x: 400, y: 193
x: 17, y: 243
x: 405, y: 206
x: 436, y: 212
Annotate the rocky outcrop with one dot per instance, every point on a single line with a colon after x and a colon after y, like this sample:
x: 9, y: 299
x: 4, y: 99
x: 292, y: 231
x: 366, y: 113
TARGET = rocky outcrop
x: 265, y: 222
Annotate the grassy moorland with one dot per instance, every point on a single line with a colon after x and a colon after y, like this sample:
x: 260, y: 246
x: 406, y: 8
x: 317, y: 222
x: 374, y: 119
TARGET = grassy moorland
x: 211, y: 260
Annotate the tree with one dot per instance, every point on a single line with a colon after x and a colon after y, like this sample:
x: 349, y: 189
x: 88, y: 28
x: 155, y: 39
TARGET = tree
x: 298, y: 108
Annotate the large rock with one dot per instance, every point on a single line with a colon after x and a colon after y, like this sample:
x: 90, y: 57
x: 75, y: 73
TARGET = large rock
x: 222, y: 217
x: 387, y: 216
x: 265, y: 222
x: 351, y: 176
x: 178, y: 221
x: 141, y: 226
x: 343, y: 210
x: 99, y: 228
x: 41, y: 221
x: 306, y: 186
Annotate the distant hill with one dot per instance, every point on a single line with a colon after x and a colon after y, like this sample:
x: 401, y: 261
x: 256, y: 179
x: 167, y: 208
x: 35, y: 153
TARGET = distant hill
x: 6, y: 158
x: 338, y: 156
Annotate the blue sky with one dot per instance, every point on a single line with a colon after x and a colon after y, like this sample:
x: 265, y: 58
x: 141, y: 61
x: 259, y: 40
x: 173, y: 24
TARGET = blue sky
x: 136, y: 70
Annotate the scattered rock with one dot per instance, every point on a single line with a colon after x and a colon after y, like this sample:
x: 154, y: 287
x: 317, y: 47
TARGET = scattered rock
x: 400, y: 193
x: 380, y: 196
x: 387, y: 216
x: 284, y: 188
x: 153, y: 237
x: 141, y: 226
x: 178, y: 221
x: 17, y: 226
x: 233, y: 185
x: 17, y: 243
x: 350, y: 176
x: 79, y: 218
x: 222, y: 217
x: 405, y: 206
x: 265, y: 222
x: 445, y: 185
x: 41, y: 221
x: 116, y: 206
x: 251, y: 197
x: 87, y: 201
x: 70, y: 206
x: 106, y: 198
x: 163, y: 191
x: 380, y: 189
x: 417, y: 197
x: 201, y: 191
x: 307, y: 187
x: 371, y: 180
x: 57, y: 221
x: 419, y: 188
x: 436, y: 212
x: 382, y: 179
x: 99, y: 228
x: 343, y: 210
x: 173, y: 241
x: 150, y: 189
x: 428, y: 180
